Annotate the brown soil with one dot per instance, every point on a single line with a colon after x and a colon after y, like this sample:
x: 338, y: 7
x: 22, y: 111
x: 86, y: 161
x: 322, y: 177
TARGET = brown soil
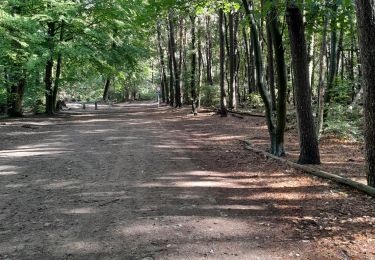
x: 141, y: 182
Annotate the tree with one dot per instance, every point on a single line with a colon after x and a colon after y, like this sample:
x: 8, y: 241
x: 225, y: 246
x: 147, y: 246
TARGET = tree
x: 366, y: 29
x: 193, y: 86
x: 223, y: 101
x: 309, y: 149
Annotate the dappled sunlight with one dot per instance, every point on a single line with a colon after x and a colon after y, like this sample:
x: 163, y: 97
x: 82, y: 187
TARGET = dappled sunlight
x: 7, y: 173
x: 80, y: 247
x: 97, y: 131
x: 16, y: 186
x: 30, y: 153
x: 88, y: 210
x: 24, y: 133
x: 9, y: 170
x: 63, y: 185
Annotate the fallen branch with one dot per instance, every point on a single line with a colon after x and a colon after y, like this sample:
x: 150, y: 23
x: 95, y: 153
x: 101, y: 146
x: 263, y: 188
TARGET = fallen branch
x: 246, y: 113
x: 313, y: 171
x: 237, y: 116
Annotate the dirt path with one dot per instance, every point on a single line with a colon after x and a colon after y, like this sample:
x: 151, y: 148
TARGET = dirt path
x: 141, y: 182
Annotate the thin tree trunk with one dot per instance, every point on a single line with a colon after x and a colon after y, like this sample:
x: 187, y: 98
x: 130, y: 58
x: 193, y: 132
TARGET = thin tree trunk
x: 282, y: 83
x: 177, y: 87
x: 181, y: 59
x: 260, y: 72
x: 49, y: 109
x: 366, y: 28
x: 333, y: 60
x: 106, y: 89
x: 58, y: 68
x: 232, y: 60
x: 309, y: 148
x: 193, y: 86
x: 209, y: 51
x: 321, y: 87
x: 270, y: 63
x: 223, y: 102
x: 200, y: 63
x: 16, y: 97
x: 171, y: 73
x: 163, y: 77
x: 248, y: 61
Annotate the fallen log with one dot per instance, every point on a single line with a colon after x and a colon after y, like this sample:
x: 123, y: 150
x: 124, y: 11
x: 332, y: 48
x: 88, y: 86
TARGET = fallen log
x: 313, y: 171
x: 245, y: 113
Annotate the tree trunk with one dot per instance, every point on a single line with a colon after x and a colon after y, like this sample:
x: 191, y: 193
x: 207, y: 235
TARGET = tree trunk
x: 248, y: 61
x: 181, y: 59
x: 282, y: 83
x: 16, y: 97
x: 209, y: 51
x: 200, y: 63
x: 366, y: 28
x: 321, y: 87
x: 270, y: 67
x: 333, y: 59
x: 106, y: 89
x: 171, y: 74
x: 193, y: 86
x: 58, y: 69
x: 49, y: 109
x: 163, y: 77
x: 176, y: 72
x: 232, y: 56
x: 260, y: 72
x: 309, y: 148
x: 223, y: 100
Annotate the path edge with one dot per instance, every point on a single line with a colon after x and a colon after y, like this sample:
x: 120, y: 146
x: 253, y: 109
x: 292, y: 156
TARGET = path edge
x: 313, y: 171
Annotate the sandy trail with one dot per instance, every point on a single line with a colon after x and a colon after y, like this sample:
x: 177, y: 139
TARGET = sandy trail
x: 141, y: 182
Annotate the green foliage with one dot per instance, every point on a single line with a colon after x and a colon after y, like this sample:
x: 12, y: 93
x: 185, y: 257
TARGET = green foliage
x: 345, y: 123
x: 254, y: 100
x: 210, y: 95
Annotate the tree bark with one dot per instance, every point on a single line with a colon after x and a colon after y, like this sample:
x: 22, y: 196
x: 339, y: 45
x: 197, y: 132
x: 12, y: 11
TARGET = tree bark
x: 106, y: 89
x: 209, y: 51
x: 193, y: 86
x: 232, y: 56
x: 163, y: 77
x: 177, y: 86
x: 260, y: 72
x: 321, y: 87
x: 282, y: 83
x: 16, y: 97
x: 49, y: 108
x: 223, y: 102
x: 58, y: 69
x: 333, y: 59
x: 171, y: 73
x: 270, y: 63
x: 308, y: 141
x: 366, y: 29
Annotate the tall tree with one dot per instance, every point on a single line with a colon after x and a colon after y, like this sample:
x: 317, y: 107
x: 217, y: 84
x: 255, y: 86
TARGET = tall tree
x: 193, y: 86
x: 366, y: 29
x: 163, y: 75
x: 308, y: 141
x: 223, y: 100
x: 176, y: 71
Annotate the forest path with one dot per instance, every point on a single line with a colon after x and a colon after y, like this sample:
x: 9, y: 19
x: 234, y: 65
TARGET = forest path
x: 141, y: 182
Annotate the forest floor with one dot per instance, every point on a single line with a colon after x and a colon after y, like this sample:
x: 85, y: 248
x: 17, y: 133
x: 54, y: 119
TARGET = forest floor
x: 140, y: 182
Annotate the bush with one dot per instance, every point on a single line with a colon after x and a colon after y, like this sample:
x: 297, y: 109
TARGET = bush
x: 210, y: 95
x: 254, y: 100
x: 344, y: 123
